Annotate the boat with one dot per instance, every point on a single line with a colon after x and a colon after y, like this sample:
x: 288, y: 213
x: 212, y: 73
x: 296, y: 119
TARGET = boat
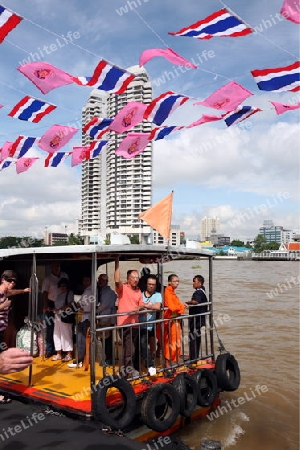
x: 158, y: 401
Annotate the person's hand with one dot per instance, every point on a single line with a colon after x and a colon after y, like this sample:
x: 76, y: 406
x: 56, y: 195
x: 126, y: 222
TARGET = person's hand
x: 26, y: 290
x: 186, y: 305
x: 14, y: 360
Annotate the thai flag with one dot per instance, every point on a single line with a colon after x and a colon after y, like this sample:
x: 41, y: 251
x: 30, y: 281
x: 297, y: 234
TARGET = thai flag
x: 240, y: 114
x: 8, y: 21
x: 54, y: 159
x: 161, y: 107
x: 97, y: 127
x: 108, y: 78
x: 31, y: 109
x: 161, y: 132
x: 278, y: 79
x: 21, y: 146
x: 6, y: 163
x: 222, y: 23
x: 96, y: 147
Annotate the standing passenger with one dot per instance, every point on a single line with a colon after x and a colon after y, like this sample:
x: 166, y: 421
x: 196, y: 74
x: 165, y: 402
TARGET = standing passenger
x: 130, y: 300
x: 106, y: 306
x: 195, y: 323
x: 49, y: 291
x: 172, y: 328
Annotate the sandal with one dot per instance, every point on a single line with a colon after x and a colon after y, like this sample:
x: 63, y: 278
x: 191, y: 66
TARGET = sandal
x: 5, y: 399
x: 67, y: 358
x: 56, y: 358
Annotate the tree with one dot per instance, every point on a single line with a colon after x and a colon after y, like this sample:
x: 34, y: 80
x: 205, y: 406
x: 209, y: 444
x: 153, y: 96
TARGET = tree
x: 259, y: 243
x: 237, y: 243
x: 20, y: 242
x: 74, y: 239
x: 272, y: 246
x: 134, y: 239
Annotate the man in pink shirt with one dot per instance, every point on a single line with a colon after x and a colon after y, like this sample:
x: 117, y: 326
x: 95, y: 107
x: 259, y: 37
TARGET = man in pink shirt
x: 130, y: 300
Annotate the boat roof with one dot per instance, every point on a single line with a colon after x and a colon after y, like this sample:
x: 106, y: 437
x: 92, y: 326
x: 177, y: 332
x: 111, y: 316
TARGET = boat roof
x: 104, y: 252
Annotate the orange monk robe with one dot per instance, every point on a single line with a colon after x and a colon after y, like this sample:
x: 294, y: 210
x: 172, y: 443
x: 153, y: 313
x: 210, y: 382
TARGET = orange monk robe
x: 172, y: 329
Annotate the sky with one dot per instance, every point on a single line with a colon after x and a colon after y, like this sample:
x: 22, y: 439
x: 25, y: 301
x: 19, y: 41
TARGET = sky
x: 241, y: 174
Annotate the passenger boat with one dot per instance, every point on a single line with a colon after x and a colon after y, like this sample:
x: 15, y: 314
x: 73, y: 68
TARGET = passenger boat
x: 157, y: 402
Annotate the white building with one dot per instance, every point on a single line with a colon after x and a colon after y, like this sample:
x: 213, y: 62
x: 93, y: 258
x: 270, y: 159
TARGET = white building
x: 114, y: 189
x: 209, y: 226
x: 174, y: 237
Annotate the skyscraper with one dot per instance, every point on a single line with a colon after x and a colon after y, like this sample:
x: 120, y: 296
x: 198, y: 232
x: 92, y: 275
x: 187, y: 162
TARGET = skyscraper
x: 209, y: 226
x: 114, y: 189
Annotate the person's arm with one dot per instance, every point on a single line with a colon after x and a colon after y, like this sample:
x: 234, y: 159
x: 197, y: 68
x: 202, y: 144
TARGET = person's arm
x: 11, y: 292
x: 118, y: 283
x: 5, y: 304
x: 14, y: 360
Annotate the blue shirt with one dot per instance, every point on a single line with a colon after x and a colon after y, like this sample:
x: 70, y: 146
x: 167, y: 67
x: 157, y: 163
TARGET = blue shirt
x: 155, y: 298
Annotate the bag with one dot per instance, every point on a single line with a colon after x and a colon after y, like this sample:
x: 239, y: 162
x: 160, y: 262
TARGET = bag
x: 23, y: 340
x: 70, y: 317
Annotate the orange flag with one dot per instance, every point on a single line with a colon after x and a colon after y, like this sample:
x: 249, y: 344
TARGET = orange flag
x: 159, y: 216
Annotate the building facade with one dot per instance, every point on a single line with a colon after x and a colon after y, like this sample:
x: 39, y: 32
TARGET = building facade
x: 209, y: 226
x: 114, y: 189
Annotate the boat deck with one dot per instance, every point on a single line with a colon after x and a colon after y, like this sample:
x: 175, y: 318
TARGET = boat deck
x: 68, y: 389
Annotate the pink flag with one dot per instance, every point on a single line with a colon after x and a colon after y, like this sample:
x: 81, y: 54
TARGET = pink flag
x: 129, y: 116
x: 133, y: 145
x: 1, y: 106
x: 228, y: 97
x: 282, y: 108
x: 56, y: 137
x: 80, y: 154
x: 23, y: 164
x: 166, y: 53
x: 291, y: 10
x: 45, y: 76
x: 204, y: 119
x: 6, y: 150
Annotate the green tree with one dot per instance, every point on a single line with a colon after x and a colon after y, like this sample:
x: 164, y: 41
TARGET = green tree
x: 237, y: 243
x: 259, y: 243
x: 20, y: 242
x: 134, y: 239
x: 74, y: 239
x: 272, y: 246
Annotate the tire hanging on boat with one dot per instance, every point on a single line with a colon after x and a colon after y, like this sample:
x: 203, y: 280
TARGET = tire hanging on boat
x: 160, y: 407
x: 187, y: 389
x: 227, y: 372
x: 207, y: 386
x: 113, y: 416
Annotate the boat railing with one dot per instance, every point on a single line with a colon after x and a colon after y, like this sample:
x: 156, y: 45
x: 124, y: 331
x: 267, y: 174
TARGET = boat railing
x: 159, y: 339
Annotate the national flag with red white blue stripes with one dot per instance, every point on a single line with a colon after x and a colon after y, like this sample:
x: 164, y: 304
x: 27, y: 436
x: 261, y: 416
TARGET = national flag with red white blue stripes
x: 8, y: 21
x: 241, y: 113
x: 107, y: 77
x: 21, y: 146
x: 31, y: 109
x: 162, y: 132
x: 6, y: 163
x: 97, y: 127
x: 96, y: 147
x: 221, y: 23
x: 161, y: 107
x: 279, y: 79
x: 54, y: 159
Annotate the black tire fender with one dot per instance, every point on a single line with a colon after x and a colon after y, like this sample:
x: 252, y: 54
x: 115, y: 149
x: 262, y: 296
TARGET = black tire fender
x: 207, y: 386
x: 187, y: 389
x: 227, y: 372
x: 118, y: 419
x: 160, y: 407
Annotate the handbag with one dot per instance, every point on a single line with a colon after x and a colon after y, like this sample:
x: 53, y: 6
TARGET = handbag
x: 70, y: 317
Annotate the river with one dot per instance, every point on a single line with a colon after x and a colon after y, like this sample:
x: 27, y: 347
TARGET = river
x: 261, y: 299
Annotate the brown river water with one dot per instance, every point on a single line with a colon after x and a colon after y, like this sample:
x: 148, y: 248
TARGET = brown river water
x: 261, y: 299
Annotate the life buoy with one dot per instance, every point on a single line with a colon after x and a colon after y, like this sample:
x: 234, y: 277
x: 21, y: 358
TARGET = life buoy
x: 160, y: 407
x: 227, y: 372
x: 120, y: 415
x: 207, y: 386
x: 187, y: 389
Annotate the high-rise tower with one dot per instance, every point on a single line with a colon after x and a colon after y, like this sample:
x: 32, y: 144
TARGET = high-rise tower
x: 114, y: 189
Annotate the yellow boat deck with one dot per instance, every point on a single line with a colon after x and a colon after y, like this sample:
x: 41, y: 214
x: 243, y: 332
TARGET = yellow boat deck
x: 65, y: 388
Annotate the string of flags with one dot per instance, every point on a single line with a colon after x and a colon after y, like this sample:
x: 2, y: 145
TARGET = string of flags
x: 113, y: 79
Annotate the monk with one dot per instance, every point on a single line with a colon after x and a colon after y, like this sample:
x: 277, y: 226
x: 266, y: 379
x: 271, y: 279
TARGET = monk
x: 172, y: 329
